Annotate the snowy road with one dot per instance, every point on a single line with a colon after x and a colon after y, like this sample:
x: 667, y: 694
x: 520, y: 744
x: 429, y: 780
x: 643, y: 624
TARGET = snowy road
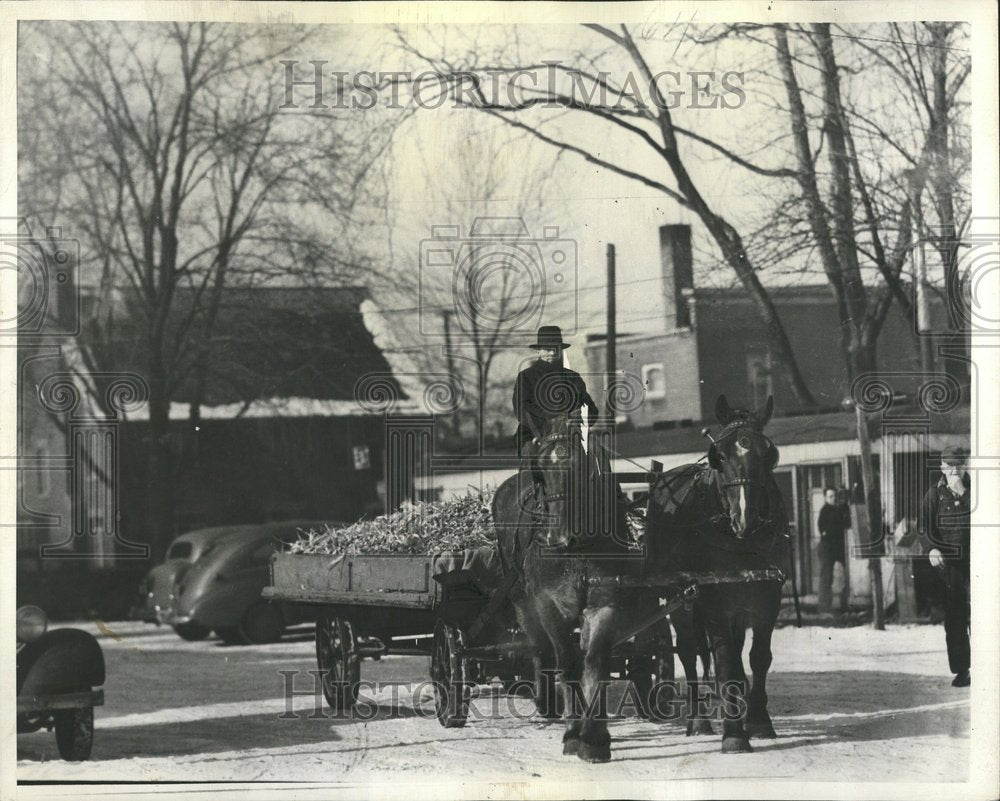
x: 848, y: 704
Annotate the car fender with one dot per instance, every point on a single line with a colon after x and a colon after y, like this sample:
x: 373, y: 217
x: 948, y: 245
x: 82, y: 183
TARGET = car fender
x: 63, y: 660
x: 225, y: 604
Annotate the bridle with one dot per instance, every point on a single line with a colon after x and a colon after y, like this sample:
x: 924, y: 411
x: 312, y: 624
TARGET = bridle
x: 546, y: 497
x: 732, y: 429
x: 547, y: 439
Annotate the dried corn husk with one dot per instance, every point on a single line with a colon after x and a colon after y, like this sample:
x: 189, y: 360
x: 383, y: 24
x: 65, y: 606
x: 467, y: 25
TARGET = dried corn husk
x: 415, y: 528
x: 423, y: 529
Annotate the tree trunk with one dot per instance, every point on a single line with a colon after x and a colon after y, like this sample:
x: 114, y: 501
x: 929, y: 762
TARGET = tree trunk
x: 861, y: 360
x: 160, y: 476
x: 725, y: 236
x: 957, y: 344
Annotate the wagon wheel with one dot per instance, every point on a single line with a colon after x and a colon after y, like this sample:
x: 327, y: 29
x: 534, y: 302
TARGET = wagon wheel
x: 338, y: 661
x: 74, y: 733
x: 652, y: 674
x: 448, y: 671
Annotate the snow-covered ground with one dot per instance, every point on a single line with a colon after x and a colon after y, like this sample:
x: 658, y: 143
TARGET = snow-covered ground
x: 849, y: 705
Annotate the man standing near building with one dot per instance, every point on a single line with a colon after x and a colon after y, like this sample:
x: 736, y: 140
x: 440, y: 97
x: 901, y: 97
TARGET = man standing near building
x: 944, y: 522
x: 833, y: 521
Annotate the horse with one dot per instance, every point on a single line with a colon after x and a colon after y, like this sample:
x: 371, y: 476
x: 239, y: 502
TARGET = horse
x: 560, y: 523
x: 721, y: 517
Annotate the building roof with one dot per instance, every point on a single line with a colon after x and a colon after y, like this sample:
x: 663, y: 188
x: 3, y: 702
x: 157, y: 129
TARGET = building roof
x: 821, y: 427
x: 827, y: 426
x: 276, y: 351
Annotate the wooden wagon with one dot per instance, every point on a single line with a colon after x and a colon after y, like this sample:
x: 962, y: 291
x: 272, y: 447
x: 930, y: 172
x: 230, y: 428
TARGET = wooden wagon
x: 371, y: 606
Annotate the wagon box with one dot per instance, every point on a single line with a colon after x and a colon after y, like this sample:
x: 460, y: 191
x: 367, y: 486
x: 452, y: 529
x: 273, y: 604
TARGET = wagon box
x: 403, y: 580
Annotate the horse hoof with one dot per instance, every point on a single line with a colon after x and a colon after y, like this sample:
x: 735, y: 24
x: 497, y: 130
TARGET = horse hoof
x: 571, y: 747
x: 589, y: 752
x: 736, y: 745
x: 763, y: 730
x: 697, y: 726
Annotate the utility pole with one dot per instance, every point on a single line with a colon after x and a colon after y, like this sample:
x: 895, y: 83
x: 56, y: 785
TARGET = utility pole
x: 919, y: 254
x: 602, y: 431
x: 449, y: 360
x: 611, y: 358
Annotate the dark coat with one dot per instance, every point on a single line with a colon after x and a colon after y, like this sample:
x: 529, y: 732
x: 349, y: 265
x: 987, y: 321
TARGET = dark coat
x: 944, y: 521
x: 544, y: 390
x: 832, y: 523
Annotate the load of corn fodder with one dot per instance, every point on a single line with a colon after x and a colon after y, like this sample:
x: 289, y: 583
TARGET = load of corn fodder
x: 425, y: 528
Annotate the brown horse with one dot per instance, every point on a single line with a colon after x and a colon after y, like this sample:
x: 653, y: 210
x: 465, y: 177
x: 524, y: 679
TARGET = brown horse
x: 560, y: 524
x: 724, y: 517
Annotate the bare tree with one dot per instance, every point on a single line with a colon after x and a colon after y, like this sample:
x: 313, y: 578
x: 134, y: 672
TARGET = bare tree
x: 163, y: 148
x: 465, y: 314
x: 645, y: 121
x: 840, y: 180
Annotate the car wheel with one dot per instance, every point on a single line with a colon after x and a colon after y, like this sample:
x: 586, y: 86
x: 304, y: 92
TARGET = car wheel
x: 74, y: 733
x: 262, y: 623
x: 192, y: 631
x: 231, y: 635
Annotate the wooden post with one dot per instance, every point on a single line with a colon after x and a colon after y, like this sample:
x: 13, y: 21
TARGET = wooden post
x: 873, y: 504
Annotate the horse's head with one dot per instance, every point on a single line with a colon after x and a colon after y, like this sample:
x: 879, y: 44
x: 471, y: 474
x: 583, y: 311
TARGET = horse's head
x: 558, y: 462
x: 743, y: 458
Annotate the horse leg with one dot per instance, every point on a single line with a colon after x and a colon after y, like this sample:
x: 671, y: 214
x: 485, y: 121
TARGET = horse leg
x: 596, y: 640
x: 758, y: 720
x: 704, y: 648
x: 567, y: 654
x: 546, y: 693
x: 686, y: 624
x: 652, y: 676
x: 731, y: 680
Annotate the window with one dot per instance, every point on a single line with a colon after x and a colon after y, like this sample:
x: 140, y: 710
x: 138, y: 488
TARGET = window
x: 362, y: 457
x: 759, y: 376
x: 180, y: 550
x: 654, y: 380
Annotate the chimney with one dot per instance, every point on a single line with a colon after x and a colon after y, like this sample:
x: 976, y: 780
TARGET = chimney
x: 678, y: 273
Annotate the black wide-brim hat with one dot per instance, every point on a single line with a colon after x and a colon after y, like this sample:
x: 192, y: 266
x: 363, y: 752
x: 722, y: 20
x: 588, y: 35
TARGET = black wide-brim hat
x: 549, y: 336
x: 955, y: 455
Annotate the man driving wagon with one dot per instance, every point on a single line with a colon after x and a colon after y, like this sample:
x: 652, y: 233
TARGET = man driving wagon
x: 547, y: 388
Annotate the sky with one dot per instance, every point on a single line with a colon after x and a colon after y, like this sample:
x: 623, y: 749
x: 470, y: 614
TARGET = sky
x: 438, y: 148
x: 449, y: 166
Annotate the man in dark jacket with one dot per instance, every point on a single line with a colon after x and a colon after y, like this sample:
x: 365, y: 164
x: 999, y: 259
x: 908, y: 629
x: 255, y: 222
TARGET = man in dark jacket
x: 944, y: 521
x: 833, y: 520
x: 546, y: 389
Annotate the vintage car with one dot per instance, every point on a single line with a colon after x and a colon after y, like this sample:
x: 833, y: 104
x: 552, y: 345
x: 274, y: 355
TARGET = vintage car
x: 156, y: 592
x: 59, y: 678
x: 222, y: 589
